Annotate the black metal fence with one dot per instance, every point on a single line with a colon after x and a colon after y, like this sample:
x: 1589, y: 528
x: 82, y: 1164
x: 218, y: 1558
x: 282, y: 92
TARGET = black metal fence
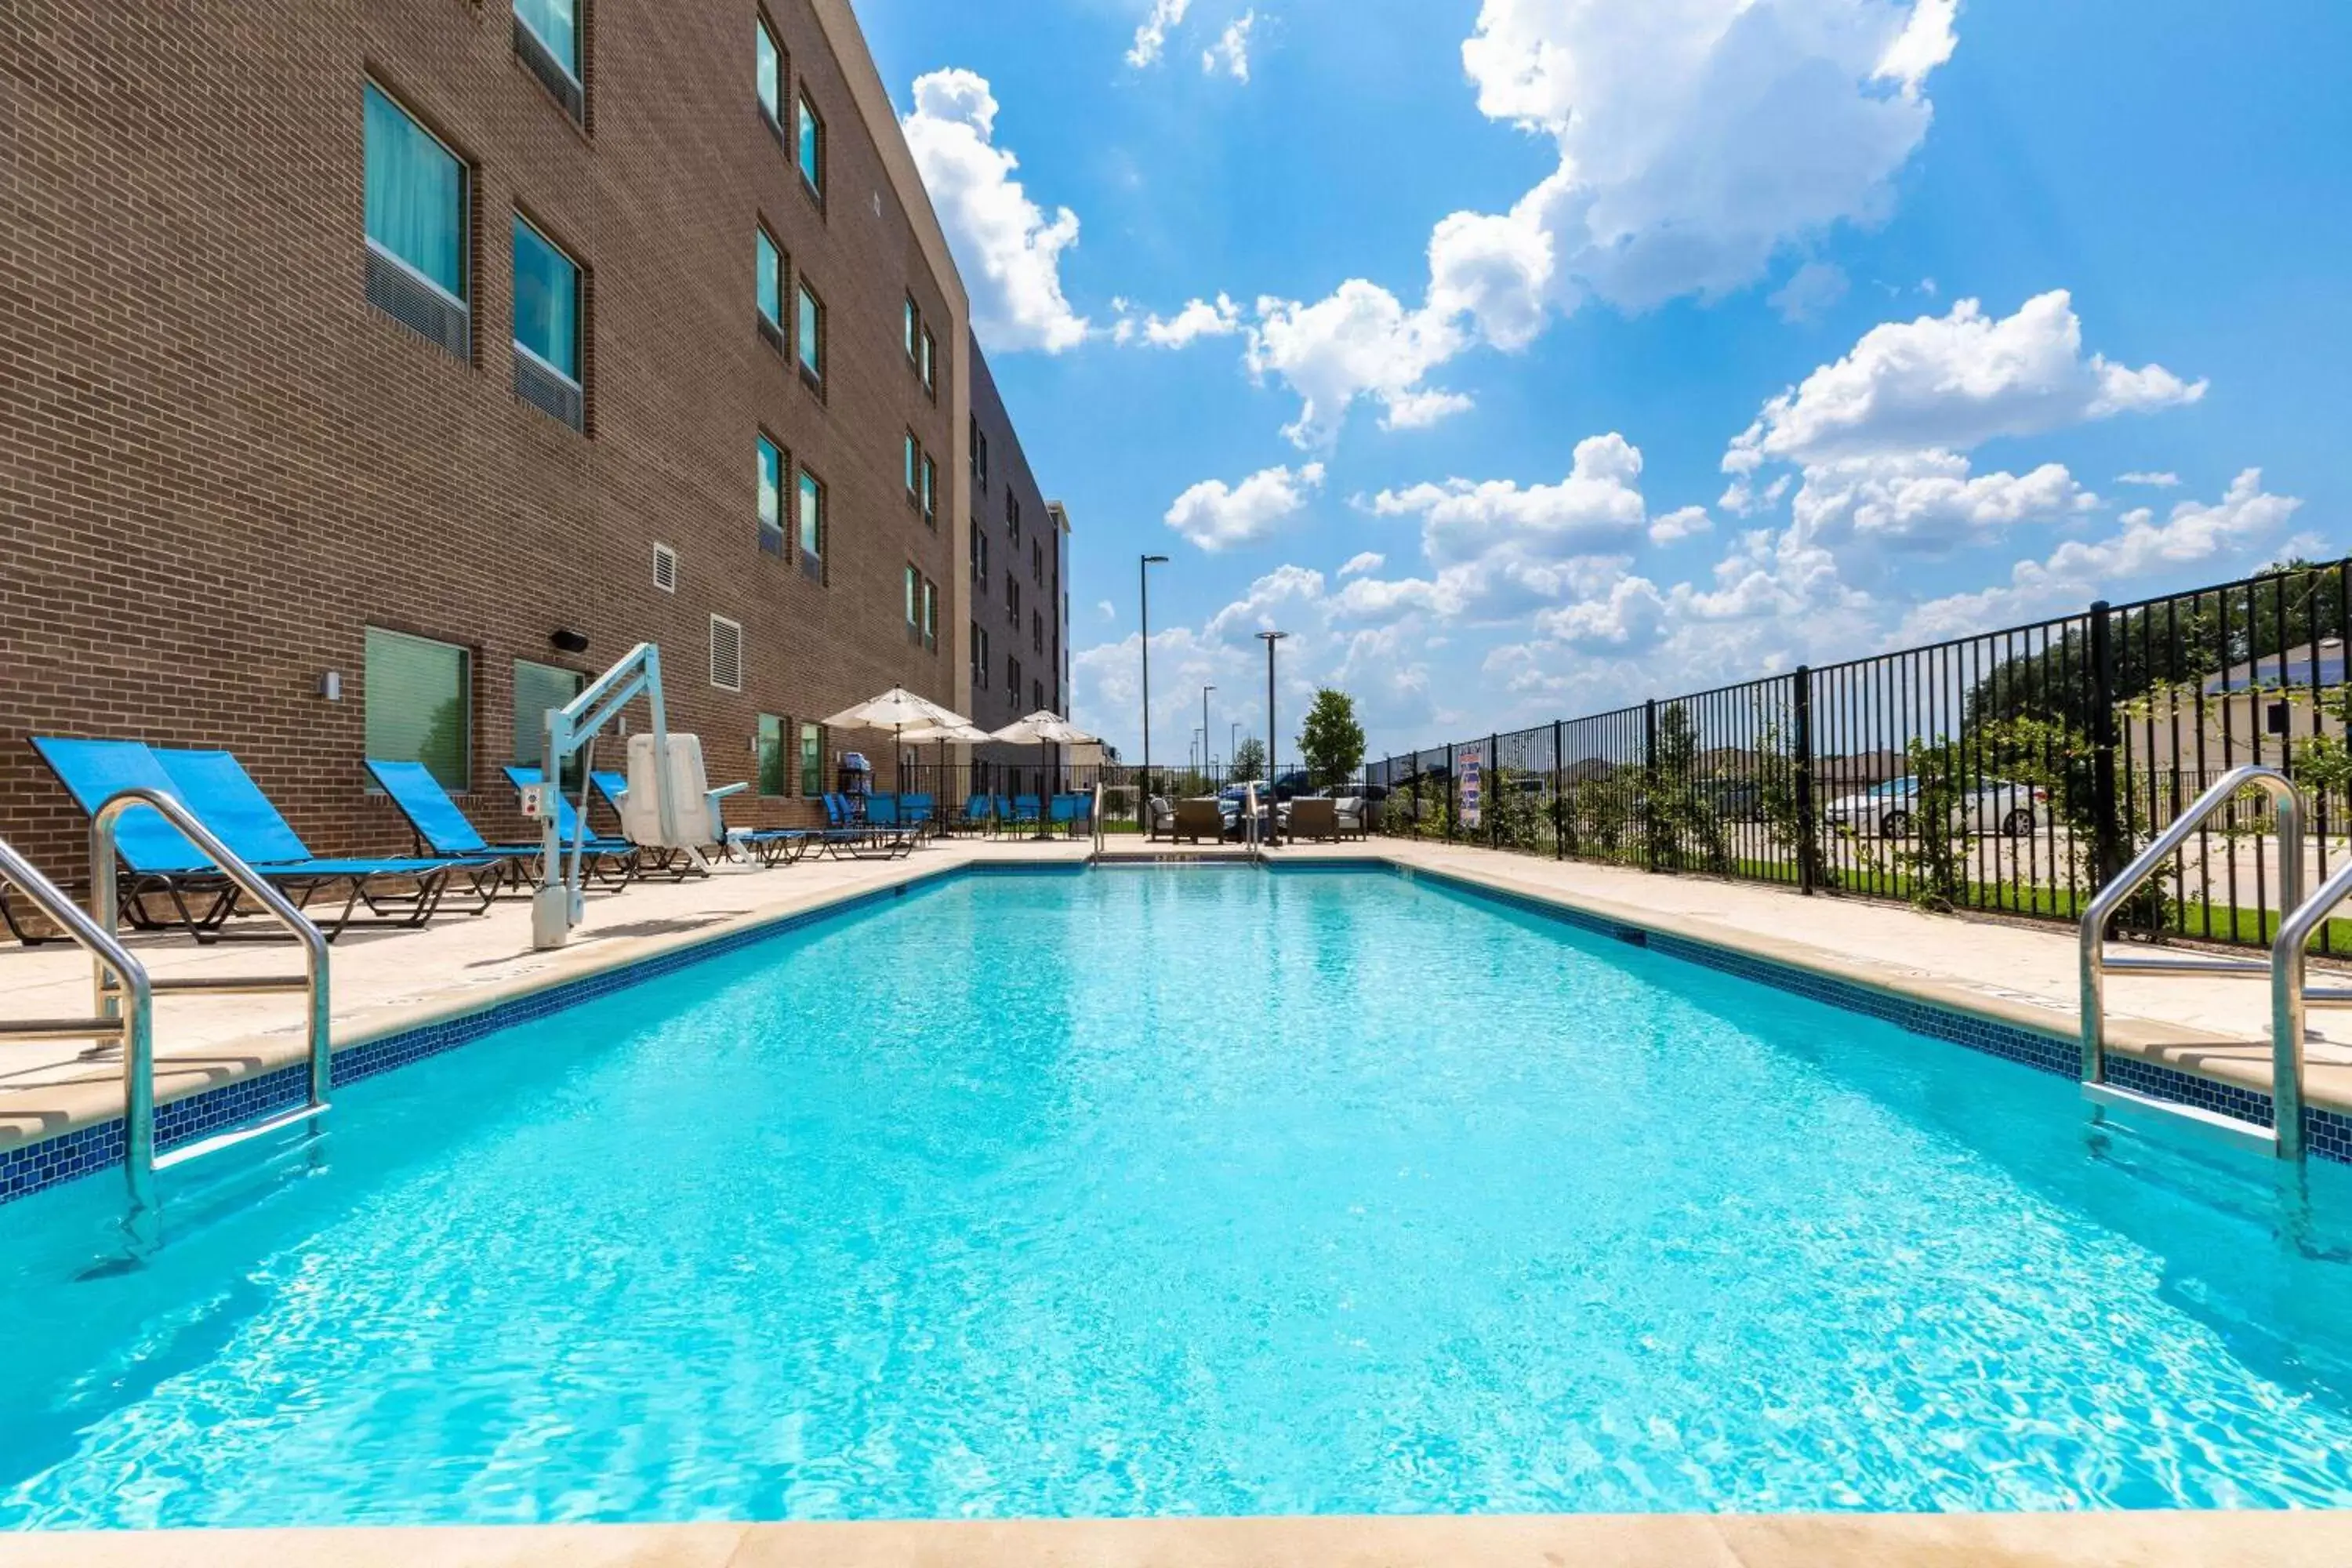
x: 2012, y: 772
x: 953, y: 784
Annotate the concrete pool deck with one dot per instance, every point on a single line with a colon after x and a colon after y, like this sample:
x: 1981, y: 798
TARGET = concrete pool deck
x: 1663, y: 1540
x: 388, y: 981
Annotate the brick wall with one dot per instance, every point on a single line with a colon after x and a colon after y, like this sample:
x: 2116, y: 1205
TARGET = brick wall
x: 218, y: 464
x: 1034, y: 560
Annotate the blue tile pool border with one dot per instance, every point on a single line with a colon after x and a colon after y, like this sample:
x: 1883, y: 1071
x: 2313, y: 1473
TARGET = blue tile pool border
x: 36, y: 1166
x: 2326, y: 1133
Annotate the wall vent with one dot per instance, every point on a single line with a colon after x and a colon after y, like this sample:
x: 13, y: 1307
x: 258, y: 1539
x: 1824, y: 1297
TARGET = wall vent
x: 726, y: 654
x: 418, y: 306
x: 664, y: 568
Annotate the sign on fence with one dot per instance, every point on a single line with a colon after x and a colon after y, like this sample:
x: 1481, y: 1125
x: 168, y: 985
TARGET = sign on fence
x: 1474, y: 788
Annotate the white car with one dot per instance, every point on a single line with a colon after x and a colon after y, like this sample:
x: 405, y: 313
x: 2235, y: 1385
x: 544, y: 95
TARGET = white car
x: 1995, y: 805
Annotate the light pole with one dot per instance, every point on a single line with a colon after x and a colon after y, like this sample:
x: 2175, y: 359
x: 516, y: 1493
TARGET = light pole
x: 1143, y: 583
x: 1204, y: 726
x: 1270, y: 638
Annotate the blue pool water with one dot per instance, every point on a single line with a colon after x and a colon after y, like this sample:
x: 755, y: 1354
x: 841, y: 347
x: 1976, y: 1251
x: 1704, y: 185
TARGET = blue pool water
x: 1182, y: 1192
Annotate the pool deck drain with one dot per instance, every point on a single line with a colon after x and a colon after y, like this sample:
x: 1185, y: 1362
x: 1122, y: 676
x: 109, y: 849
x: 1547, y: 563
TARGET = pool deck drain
x: 1662, y: 1540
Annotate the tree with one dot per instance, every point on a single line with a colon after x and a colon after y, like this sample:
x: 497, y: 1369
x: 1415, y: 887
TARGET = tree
x: 1249, y: 760
x: 1332, y: 740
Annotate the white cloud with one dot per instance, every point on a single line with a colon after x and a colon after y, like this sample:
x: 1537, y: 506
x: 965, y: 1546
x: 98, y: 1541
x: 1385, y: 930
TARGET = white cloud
x: 1632, y: 617
x: 1928, y: 501
x: 1680, y: 525
x: 1151, y: 37
x: 2192, y: 534
x: 1010, y: 253
x: 1231, y: 52
x: 1697, y: 141
x: 1360, y: 342
x: 1359, y: 566
x: 1809, y: 292
x: 1199, y: 318
x: 1953, y: 381
x: 1106, y: 609
x: 2152, y: 481
x: 1218, y: 517
x: 1597, y: 509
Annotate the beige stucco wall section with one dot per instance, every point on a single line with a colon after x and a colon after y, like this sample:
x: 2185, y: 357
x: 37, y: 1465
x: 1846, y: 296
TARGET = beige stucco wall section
x: 839, y: 21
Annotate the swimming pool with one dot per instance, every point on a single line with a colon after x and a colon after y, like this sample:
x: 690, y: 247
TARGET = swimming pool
x: 1169, y: 1192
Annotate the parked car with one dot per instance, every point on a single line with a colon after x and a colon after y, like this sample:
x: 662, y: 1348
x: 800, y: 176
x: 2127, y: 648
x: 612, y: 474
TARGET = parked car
x: 1994, y: 805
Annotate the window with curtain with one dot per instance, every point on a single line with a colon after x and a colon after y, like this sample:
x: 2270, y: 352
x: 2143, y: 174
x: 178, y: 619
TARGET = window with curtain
x: 930, y: 613
x: 771, y: 498
x: 914, y: 599
x: 770, y: 68
x: 930, y: 491
x: 415, y: 196
x: 812, y: 519
x: 556, y: 25
x: 770, y: 265
x: 539, y: 689
x: 812, y: 147
x: 812, y: 760
x: 912, y: 324
x: 931, y: 363
x: 811, y: 335
x: 546, y: 302
x: 914, y: 457
x: 419, y: 698
x: 774, y: 779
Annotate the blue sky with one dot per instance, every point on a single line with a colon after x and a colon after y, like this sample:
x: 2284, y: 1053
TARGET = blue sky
x: 1646, y: 347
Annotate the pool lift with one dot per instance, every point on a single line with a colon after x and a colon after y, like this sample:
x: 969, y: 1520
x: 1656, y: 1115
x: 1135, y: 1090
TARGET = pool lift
x: 2292, y: 996
x: 665, y: 769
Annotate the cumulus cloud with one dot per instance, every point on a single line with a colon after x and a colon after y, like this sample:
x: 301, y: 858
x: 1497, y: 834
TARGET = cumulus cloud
x: 1199, y: 318
x: 1360, y: 342
x: 1680, y: 525
x: 1809, y: 292
x: 1697, y: 141
x: 1953, y: 381
x: 1010, y: 252
x: 1230, y: 53
x: 1597, y: 509
x: 1632, y: 617
x: 1218, y: 517
x: 1928, y: 501
x: 1358, y: 565
x: 1152, y: 36
x: 2150, y: 481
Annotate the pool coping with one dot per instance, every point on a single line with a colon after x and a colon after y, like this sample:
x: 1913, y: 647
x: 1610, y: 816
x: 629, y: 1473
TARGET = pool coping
x: 2283, y: 1539
x: 2158, y: 1061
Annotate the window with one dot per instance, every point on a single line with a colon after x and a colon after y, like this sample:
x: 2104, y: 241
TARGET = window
x: 419, y: 696
x: 812, y: 147
x: 915, y: 602
x: 769, y: 264
x: 539, y: 691
x: 930, y: 491
x: 1037, y: 632
x: 726, y: 654
x: 979, y: 656
x: 978, y: 552
x: 1038, y: 696
x: 1036, y: 563
x: 416, y: 226
x: 979, y: 454
x: 811, y: 336
x: 812, y: 760
x: 930, y: 614
x: 1012, y: 598
x: 771, y: 498
x: 911, y: 325
x: 547, y: 326
x: 930, y: 364
x: 1012, y: 517
x: 547, y: 37
x: 773, y: 777
x: 770, y: 69
x: 812, y: 521
x: 1013, y: 678
x: 914, y: 464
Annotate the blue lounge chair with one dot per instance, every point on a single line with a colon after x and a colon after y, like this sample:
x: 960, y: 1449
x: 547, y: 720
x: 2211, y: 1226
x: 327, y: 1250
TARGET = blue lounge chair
x: 916, y: 812
x: 1000, y: 822
x: 156, y: 861
x: 612, y: 860
x: 844, y: 835
x: 444, y: 832
x: 1027, y: 811
x: 979, y: 815
x: 769, y: 845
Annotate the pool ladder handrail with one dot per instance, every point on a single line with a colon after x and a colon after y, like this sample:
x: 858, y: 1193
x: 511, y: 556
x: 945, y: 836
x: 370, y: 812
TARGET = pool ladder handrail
x: 1099, y: 818
x: 2284, y: 1137
x: 1251, y: 834
x: 2292, y: 994
x: 117, y: 978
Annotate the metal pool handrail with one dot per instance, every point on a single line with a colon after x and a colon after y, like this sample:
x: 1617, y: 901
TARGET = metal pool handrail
x: 1098, y: 817
x: 2291, y: 997
x: 110, y: 979
x: 2286, y: 1052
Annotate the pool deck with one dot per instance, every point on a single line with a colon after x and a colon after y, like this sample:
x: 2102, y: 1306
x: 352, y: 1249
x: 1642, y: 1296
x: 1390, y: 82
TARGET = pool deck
x: 388, y: 981
x: 1663, y: 1540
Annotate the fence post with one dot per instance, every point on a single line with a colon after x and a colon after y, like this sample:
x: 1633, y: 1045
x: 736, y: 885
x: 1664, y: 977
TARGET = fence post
x: 1559, y: 805
x: 1807, y: 846
x: 1650, y: 782
x: 1452, y: 793
x: 2107, y: 831
x: 1489, y: 773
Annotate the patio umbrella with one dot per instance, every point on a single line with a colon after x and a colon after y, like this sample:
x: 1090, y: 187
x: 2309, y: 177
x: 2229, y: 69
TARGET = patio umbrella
x: 1044, y: 729
x: 897, y: 711
x: 963, y: 732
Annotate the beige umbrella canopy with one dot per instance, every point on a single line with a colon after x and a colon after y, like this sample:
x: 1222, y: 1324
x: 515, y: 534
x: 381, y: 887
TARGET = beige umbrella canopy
x: 897, y: 711
x: 1044, y: 729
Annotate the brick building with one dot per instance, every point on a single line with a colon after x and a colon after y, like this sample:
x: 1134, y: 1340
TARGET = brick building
x: 376, y: 372
x: 1017, y: 631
